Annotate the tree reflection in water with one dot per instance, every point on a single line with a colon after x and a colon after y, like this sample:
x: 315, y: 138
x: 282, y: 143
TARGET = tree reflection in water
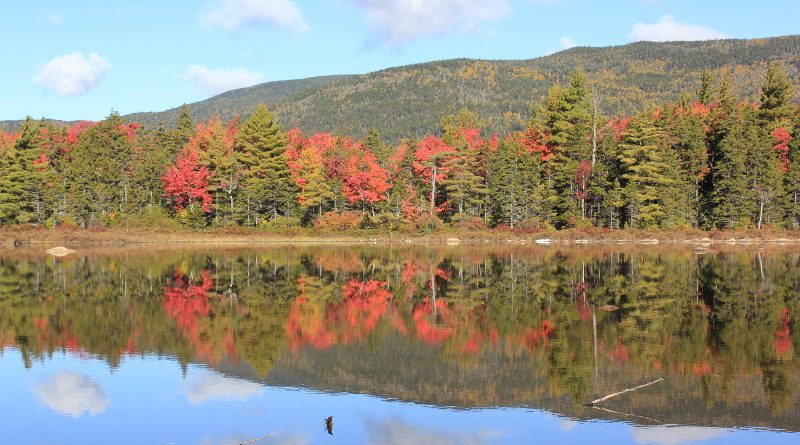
x: 468, y: 326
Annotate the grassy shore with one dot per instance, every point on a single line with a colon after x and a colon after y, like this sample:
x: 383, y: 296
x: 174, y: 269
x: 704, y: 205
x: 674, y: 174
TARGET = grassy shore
x: 27, y: 235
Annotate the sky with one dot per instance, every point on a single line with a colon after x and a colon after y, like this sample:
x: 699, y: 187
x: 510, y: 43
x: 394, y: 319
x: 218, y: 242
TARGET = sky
x: 81, y: 59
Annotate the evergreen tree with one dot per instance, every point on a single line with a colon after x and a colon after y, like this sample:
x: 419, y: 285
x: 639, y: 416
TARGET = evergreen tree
x: 776, y: 96
x: 705, y: 94
x: 748, y: 182
x: 99, y: 177
x: 261, y: 148
x: 650, y: 182
x: 688, y: 139
x: 20, y: 193
x: 568, y: 115
x: 513, y: 184
x: 464, y: 187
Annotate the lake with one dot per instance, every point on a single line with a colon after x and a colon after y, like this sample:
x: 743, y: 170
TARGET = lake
x: 400, y: 345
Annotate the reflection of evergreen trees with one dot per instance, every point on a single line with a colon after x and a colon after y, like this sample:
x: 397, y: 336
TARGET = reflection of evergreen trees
x: 529, y: 326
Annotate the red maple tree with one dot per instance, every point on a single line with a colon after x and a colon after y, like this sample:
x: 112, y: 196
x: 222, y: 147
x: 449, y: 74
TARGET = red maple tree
x: 186, y: 182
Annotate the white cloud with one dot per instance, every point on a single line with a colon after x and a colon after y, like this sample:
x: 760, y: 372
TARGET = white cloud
x: 235, y: 14
x: 53, y: 17
x: 216, y: 81
x: 566, y: 42
x: 72, y: 74
x: 667, y: 29
x: 72, y: 394
x: 219, y: 387
x: 396, y: 22
x: 674, y: 435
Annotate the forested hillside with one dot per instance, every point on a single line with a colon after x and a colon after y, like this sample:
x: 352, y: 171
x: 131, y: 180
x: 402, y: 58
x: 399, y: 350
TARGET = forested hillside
x: 408, y: 101
x: 707, y: 160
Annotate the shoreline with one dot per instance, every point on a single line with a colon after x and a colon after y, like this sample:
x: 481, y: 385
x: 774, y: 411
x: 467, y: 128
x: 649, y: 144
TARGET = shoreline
x: 16, y: 236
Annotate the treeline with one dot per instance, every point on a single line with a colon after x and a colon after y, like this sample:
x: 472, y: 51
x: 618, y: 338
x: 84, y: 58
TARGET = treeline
x: 709, y: 160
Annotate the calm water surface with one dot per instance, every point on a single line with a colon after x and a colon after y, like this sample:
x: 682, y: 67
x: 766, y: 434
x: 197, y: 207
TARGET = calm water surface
x: 400, y: 345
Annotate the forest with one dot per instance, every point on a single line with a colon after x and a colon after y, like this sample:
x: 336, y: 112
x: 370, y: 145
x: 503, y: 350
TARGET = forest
x: 709, y: 160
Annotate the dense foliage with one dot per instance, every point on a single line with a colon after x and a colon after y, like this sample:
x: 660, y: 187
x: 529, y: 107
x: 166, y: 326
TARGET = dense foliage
x: 708, y: 160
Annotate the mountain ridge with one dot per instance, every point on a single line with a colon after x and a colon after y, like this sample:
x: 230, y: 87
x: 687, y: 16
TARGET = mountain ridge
x: 409, y: 100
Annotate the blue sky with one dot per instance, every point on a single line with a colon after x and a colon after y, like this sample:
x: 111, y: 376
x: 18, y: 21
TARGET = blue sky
x: 78, y: 59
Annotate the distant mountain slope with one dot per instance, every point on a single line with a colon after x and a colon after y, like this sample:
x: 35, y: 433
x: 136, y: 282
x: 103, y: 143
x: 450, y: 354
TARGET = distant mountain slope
x: 410, y: 100
x: 239, y: 101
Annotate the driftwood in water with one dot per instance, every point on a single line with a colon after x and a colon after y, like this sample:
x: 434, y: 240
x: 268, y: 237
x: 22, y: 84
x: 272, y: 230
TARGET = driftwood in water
x: 603, y: 399
x: 257, y: 439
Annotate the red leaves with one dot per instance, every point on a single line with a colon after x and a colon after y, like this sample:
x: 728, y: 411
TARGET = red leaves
x: 619, y: 126
x: 209, y: 134
x: 536, y: 142
x: 186, y: 182
x: 76, y: 130
x: 582, y: 173
x: 367, y: 182
x: 783, y: 336
x: 7, y: 140
x: 782, y: 140
x: 430, y: 151
x: 129, y: 130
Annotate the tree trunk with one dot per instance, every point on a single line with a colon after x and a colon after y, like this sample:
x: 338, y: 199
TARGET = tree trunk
x: 433, y: 189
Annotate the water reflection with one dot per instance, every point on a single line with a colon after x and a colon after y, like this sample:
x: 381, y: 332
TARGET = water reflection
x: 675, y: 435
x: 526, y: 327
x: 72, y: 394
x: 400, y: 432
x: 213, y: 386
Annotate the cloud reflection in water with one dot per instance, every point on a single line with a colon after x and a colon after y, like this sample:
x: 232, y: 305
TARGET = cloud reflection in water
x: 72, y: 394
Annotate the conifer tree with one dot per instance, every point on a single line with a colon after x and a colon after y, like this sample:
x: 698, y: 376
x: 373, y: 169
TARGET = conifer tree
x: 465, y: 188
x: 776, y: 96
x: 261, y: 148
x: 568, y: 115
x: 650, y: 181
x: 20, y: 194
x: 705, y: 94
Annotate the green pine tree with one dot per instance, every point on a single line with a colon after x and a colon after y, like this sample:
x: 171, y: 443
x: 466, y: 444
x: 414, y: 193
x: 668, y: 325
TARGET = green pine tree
x: 261, y: 148
x: 650, y: 180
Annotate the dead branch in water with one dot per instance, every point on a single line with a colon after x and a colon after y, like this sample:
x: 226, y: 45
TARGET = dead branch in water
x: 257, y: 439
x: 603, y: 399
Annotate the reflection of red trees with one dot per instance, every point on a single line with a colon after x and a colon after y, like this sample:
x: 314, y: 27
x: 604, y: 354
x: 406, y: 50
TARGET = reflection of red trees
x: 55, y: 337
x: 533, y: 337
x: 188, y: 302
x: 783, y: 336
x: 427, y: 321
x: 322, y: 324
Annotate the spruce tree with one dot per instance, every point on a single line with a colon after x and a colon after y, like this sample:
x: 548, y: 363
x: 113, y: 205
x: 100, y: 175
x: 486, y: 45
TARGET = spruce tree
x: 261, y: 146
x: 705, y: 94
x: 20, y: 194
x: 776, y: 98
x: 651, y: 183
x: 464, y: 187
x: 568, y: 115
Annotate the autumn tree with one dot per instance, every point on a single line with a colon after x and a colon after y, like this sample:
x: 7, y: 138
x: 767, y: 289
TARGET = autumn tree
x: 186, y: 183
x: 367, y: 182
x: 314, y: 188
